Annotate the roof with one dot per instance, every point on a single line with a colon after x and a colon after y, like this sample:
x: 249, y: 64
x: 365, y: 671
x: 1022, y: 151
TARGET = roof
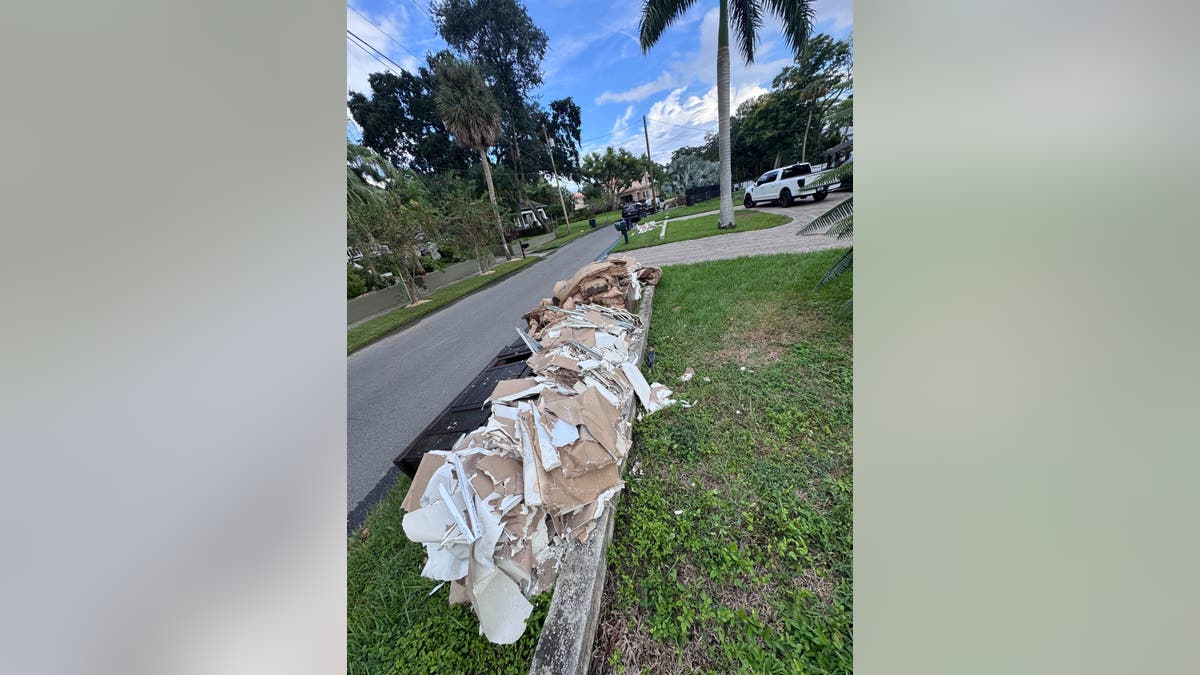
x: 527, y: 204
x: 840, y: 147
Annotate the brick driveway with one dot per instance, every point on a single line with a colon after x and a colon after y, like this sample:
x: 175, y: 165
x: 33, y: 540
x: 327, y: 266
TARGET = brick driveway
x: 782, y: 239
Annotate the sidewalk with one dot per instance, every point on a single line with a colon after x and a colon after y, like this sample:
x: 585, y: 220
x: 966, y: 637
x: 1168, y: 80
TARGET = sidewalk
x: 782, y: 239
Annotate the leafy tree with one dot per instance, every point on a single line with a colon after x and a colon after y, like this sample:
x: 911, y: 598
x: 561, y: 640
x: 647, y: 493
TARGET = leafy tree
x: 614, y: 170
x: 836, y: 222
x: 386, y: 207
x: 746, y: 15
x: 467, y: 223
x: 542, y: 191
x: 473, y: 116
x: 401, y: 123
x: 689, y: 171
x: 500, y: 37
x: 566, y: 121
x: 819, y: 80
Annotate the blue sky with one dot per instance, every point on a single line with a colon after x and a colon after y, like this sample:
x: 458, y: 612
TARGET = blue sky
x: 594, y: 57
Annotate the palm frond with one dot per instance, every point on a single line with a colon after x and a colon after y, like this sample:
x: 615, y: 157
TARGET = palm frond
x: 839, y: 268
x: 834, y: 175
x: 843, y: 229
x: 830, y: 218
x: 797, y: 17
x: 466, y: 106
x: 657, y: 16
x: 746, y: 19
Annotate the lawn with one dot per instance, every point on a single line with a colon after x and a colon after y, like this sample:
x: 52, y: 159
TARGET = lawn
x: 393, y: 625
x: 733, y: 543
x: 579, y: 228
x: 699, y: 207
x: 704, y: 226
x: 381, y: 326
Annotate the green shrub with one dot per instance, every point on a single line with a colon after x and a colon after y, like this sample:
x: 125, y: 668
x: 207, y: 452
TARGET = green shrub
x: 356, y: 285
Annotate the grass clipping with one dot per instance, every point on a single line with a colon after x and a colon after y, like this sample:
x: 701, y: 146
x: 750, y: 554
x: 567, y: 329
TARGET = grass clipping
x: 495, y: 512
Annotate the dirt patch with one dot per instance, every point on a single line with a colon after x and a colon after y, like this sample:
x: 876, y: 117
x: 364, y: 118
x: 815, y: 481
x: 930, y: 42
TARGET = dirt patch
x: 623, y: 645
x: 819, y: 583
x: 762, y: 337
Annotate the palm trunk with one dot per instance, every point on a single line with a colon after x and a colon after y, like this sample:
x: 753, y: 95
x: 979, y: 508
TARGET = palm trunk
x: 725, y: 218
x: 487, y: 176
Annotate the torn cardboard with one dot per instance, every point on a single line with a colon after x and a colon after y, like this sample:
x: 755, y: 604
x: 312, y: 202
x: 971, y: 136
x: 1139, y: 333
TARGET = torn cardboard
x: 495, y: 512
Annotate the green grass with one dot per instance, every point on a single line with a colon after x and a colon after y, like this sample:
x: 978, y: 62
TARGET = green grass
x: 607, y: 218
x: 754, y: 572
x: 381, y: 326
x: 393, y: 625
x: 699, y: 207
x: 578, y: 229
x: 704, y: 226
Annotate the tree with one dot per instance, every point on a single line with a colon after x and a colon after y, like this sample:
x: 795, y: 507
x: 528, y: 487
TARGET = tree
x: 400, y: 122
x: 820, y: 78
x: 386, y: 207
x: 797, y: 20
x: 836, y: 222
x: 615, y: 170
x: 500, y: 38
x: 468, y: 223
x: 473, y: 116
x: 373, y: 185
x: 688, y: 171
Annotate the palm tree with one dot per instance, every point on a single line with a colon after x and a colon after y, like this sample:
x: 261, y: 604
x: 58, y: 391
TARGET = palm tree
x: 836, y: 222
x: 473, y: 116
x: 797, y: 18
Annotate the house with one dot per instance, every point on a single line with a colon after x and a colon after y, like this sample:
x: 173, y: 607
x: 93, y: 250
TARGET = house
x: 579, y: 201
x: 533, y: 214
x: 640, y: 191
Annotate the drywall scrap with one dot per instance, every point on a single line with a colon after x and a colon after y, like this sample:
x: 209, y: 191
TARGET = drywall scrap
x: 495, y: 512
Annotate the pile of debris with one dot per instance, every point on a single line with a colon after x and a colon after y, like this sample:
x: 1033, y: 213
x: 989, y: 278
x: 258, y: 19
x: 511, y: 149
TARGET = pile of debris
x: 496, y: 511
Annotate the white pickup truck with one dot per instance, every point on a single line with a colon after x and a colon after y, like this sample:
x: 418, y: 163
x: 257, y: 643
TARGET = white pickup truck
x: 785, y: 185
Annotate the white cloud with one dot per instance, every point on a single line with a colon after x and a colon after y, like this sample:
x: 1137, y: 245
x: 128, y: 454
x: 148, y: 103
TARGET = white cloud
x: 623, y: 119
x: 677, y: 120
x: 360, y: 64
x: 663, y: 82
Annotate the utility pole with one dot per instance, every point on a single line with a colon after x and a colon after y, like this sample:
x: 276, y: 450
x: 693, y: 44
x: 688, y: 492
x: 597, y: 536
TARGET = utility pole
x: 646, y: 131
x: 561, y: 201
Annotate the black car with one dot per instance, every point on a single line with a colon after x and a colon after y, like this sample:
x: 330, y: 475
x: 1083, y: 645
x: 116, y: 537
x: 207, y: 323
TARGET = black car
x: 632, y: 212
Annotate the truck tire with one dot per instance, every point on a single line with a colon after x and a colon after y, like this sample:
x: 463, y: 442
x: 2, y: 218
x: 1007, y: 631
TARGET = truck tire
x: 748, y: 202
x: 785, y: 197
x: 820, y: 194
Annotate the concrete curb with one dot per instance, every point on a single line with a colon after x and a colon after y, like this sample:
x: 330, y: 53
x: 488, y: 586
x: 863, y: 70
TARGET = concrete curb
x: 565, y: 644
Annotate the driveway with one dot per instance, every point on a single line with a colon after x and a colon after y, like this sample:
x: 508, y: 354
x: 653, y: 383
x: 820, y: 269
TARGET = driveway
x: 398, y: 385
x: 782, y: 239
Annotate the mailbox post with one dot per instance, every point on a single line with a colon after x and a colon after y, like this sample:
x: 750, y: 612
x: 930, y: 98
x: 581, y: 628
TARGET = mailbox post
x: 622, y: 226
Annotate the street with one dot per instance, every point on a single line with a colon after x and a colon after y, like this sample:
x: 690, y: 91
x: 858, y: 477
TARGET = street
x: 398, y: 385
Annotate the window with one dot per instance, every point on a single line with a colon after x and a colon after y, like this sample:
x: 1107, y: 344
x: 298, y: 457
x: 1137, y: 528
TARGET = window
x: 797, y: 170
x: 766, y: 178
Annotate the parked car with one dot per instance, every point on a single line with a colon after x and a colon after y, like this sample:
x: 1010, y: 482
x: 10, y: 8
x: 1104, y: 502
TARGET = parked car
x: 632, y: 212
x: 785, y: 185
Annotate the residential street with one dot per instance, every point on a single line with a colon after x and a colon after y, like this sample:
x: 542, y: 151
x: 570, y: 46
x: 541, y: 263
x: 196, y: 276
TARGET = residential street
x: 398, y: 385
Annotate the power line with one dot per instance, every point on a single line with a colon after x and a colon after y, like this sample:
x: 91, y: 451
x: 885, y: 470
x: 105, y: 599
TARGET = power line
x: 587, y: 140
x: 381, y: 30
x: 376, y: 50
x: 372, y: 55
x: 681, y: 126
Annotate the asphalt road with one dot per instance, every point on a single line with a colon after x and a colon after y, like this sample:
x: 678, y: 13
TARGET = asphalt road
x: 398, y: 385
